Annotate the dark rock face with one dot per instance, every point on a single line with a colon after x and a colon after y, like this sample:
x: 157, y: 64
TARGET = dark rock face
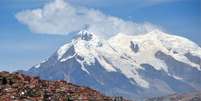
x: 194, y: 59
x: 174, y: 84
x: 188, y: 73
x: 85, y: 35
x: 70, y: 52
x: 134, y: 47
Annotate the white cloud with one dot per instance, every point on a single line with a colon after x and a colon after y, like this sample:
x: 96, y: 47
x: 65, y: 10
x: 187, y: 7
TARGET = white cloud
x: 60, y: 17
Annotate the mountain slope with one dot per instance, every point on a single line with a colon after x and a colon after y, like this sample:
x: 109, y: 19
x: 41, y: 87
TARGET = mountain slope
x: 140, y: 66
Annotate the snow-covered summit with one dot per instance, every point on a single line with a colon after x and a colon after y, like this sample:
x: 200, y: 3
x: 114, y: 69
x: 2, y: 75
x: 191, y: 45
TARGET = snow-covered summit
x: 149, y: 44
x: 88, y: 47
x: 83, y: 39
x: 177, y: 43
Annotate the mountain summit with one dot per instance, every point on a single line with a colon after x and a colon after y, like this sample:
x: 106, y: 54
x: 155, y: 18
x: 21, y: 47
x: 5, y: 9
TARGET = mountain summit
x: 85, y: 35
x: 148, y: 65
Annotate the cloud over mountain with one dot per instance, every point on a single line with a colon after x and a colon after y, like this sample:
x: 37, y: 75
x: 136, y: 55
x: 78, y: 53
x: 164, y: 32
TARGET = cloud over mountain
x: 60, y: 17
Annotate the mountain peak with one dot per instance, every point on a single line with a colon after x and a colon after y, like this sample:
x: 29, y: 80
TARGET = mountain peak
x: 92, y: 61
x: 85, y: 35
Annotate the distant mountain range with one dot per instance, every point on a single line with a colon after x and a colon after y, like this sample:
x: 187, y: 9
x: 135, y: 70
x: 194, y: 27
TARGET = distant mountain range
x: 136, y: 67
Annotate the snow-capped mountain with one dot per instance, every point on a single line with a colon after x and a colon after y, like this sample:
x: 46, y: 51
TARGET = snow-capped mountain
x: 139, y: 66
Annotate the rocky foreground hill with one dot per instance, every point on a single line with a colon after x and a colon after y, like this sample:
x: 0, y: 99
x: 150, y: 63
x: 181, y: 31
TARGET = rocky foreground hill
x: 19, y: 87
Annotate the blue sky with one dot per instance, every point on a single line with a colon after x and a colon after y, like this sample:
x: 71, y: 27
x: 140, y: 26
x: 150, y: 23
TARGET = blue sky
x: 21, y: 48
